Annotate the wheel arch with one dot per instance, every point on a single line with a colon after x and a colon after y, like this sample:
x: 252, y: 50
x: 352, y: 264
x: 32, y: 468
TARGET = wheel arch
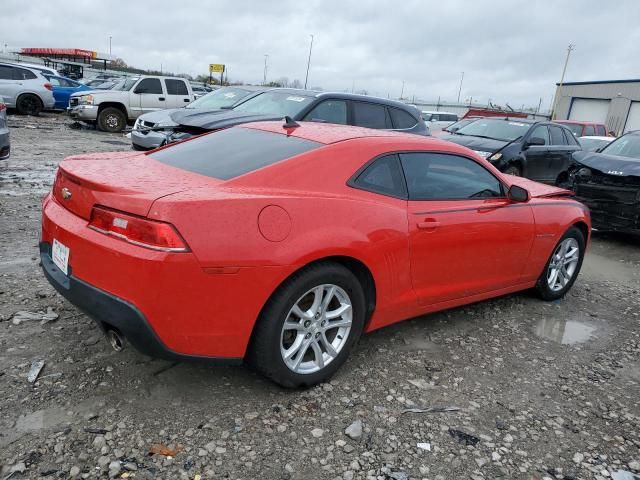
x: 583, y: 227
x: 118, y: 105
x: 29, y: 92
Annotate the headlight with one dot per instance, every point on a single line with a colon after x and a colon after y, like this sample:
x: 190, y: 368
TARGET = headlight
x: 584, y: 172
x: 85, y: 100
x: 482, y: 154
x: 495, y: 157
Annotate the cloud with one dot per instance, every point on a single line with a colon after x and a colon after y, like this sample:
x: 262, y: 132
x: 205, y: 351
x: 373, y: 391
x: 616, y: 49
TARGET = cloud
x: 510, y: 50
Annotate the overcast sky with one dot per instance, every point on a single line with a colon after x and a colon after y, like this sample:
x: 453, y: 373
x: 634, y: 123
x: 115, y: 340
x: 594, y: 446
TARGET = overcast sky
x: 510, y: 50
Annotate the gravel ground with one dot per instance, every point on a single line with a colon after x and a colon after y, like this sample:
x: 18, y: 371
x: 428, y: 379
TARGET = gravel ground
x: 514, y: 388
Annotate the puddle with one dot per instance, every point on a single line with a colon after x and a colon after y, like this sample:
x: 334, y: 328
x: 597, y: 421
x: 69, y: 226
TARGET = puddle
x: 565, y: 331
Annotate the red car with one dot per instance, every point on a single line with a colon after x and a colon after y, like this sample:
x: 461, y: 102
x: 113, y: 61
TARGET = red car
x: 585, y: 129
x: 279, y: 245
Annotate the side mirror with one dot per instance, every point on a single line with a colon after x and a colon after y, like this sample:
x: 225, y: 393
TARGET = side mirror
x: 518, y: 194
x: 140, y: 90
x: 536, y: 141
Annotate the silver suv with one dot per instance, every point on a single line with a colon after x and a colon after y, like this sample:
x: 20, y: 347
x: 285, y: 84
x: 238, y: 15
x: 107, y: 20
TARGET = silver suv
x: 25, y: 89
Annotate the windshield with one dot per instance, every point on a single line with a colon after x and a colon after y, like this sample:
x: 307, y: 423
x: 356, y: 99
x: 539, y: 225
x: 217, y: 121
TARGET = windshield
x: 574, y: 127
x: 505, y: 130
x: 625, y: 146
x: 591, y: 144
x: 459, y: 124
x: 276, y: 103
x: 225, y: 97
x: 125, y: 85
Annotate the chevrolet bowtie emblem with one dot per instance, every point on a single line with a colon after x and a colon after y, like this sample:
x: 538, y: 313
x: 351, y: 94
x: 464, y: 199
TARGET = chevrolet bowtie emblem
x: 66, y: 193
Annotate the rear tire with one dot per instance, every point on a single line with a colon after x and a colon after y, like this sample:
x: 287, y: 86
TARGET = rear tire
x: 29, y: 104
x: 562, y: 268
x: 327, y: 288
x: 513, y: 170
x: 111, y: 120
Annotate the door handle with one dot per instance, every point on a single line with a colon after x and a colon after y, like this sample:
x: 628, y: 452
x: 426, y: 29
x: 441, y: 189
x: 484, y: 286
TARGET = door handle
x: 161, y: 99
x: 187, y: 100
x: 428, y: 224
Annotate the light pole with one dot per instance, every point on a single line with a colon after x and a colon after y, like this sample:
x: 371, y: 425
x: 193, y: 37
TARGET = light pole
x: 264, y: 79
x: 564, y: 70
x: 109, y: 47
x: 308, y: 63
x: 460, y: 89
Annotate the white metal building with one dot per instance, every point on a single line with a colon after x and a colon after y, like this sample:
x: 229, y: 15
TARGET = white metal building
x: 613, y: 102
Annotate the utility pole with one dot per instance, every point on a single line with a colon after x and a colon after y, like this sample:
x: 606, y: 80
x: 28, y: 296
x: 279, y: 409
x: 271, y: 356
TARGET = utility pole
x: 402, y: 91
x: 539, y: 105
x: 460, y: 89
x: 110, y: 47
x: 570, y: 49
x: 264, y: 79
x: 308, y: 63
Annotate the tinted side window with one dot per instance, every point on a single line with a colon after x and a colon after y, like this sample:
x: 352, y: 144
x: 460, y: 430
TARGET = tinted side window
x: 370, y: 115
x: 401, y: 119
x: 557, y: 138
x: 22, y: 74
x: 541, y: 132
x: 601, y: 131
x: 176, y: 87
x: 232, y: 152
x: 6, y: 73
x: 149, y: 85
x: 438, y: 176
x: 329, y: 111
x: 54, y: 81
x: 383, y: 176
x: 589, y: 130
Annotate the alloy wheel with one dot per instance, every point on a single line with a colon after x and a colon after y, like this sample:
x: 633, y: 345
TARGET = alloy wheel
x: 316, y: 329
x: 563, y: 264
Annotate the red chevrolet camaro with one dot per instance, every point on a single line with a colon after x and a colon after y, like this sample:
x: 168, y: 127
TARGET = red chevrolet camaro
x: 280, y: 244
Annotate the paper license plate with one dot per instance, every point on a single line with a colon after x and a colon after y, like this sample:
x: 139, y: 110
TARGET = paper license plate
x: 60, y: 256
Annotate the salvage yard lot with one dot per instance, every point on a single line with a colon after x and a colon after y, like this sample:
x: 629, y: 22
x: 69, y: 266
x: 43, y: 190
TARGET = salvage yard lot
x: 535, y: 389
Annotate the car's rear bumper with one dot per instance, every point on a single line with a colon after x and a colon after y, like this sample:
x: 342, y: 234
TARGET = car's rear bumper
x: 173, y: 306
x: 5, y: 147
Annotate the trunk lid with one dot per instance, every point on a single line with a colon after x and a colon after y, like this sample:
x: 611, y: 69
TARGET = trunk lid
x: 126, y: 181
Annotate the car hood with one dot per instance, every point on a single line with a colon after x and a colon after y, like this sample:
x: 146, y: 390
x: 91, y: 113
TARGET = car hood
x: 538, y: 190
x: 215, y: 119
x: 475, y: 143
x: 96, y: 92
x: 160, y: 116
x: 609, y: 164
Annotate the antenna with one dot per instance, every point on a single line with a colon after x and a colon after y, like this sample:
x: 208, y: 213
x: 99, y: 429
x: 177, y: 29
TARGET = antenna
x: 290, y: 123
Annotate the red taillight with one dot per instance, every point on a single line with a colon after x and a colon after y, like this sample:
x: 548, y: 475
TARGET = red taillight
x: 2, y: 106
x: 138, y: 231
x: 48, y: 86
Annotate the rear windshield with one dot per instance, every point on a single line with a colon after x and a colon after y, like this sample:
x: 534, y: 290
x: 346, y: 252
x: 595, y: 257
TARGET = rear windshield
x: 233, y: 152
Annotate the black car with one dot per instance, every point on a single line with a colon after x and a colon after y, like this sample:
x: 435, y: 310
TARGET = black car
x: 305, y: 105
x: 537, y: 150
x: 608, y: 182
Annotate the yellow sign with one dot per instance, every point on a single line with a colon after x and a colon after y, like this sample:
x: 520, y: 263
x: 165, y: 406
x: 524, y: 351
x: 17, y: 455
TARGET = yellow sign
x: 216, y: 68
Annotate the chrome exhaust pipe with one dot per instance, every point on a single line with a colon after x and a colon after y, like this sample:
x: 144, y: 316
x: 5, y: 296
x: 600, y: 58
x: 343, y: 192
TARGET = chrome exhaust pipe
x: 115, y: 339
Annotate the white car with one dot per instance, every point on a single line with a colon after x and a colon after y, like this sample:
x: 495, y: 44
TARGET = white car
x: 439, y: 120
x: 594, y: 143
x: 25, y: 89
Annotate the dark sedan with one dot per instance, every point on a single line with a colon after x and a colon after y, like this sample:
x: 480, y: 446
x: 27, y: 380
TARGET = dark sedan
x: 608, y: 182
x: 307, y: 105
x: 540, y: 151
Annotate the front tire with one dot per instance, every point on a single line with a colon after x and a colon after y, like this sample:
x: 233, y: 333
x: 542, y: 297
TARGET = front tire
x: 111, y: 120
x: 29, y: 104
x: 308, y: 326
x: 563, y: 266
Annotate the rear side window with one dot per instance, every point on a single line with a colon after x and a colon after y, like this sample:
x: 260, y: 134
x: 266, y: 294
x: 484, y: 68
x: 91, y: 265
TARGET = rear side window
x: 383, y: 176
x: 601, y: 131
x: 233, y: 152
x: 176, y: 87
x: 22, y: 74
x: 149, y: 85
x: 6, y: 73
x: 589, y: 131
x: 370, y: 115
x: 557, y: 138
x: 401, y: 119
x: 569, y: 137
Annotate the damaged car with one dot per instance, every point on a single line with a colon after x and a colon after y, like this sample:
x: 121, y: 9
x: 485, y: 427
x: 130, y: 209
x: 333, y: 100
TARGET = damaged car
x: 608, y: 182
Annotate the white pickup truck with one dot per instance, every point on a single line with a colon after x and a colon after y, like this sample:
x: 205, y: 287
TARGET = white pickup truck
x: 110, y: 110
